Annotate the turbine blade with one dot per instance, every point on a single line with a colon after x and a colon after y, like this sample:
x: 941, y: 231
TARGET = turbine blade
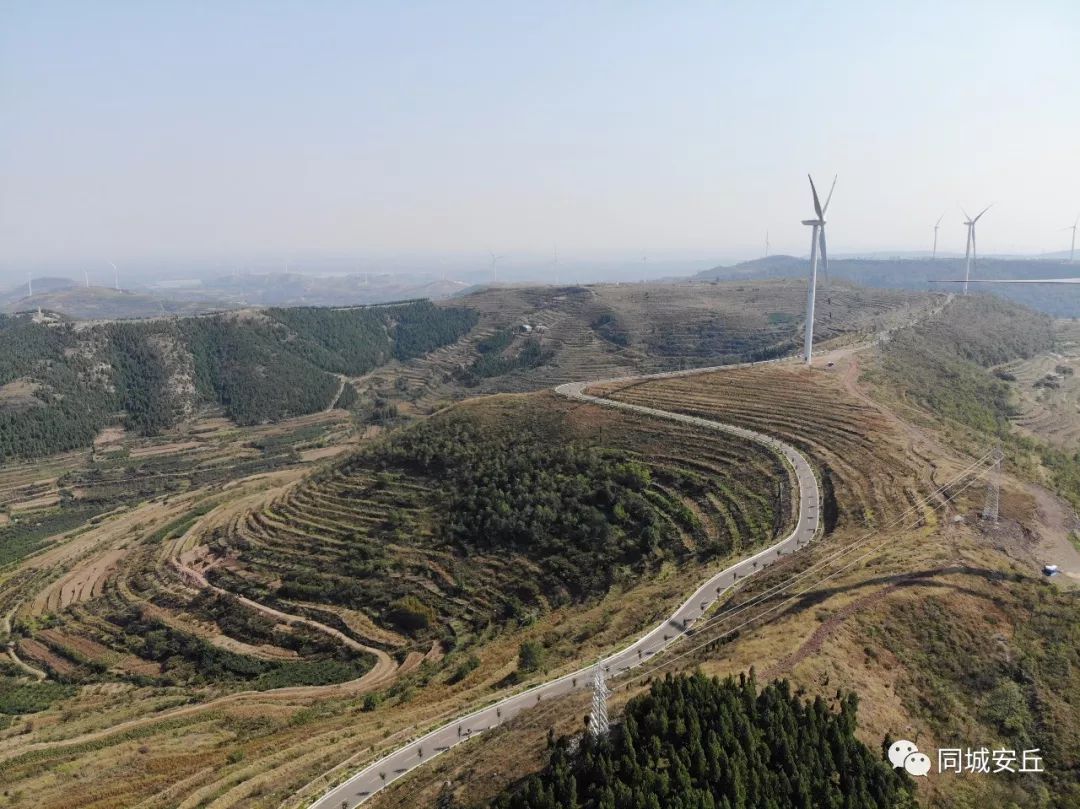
x: 817, y: 204
x: 828, y: 199
x: 939, y: 220
x: 965, y: 213
x: 984, y: 210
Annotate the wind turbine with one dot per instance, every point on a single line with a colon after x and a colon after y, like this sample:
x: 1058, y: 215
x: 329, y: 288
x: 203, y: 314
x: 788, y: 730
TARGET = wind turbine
x: 969, y: 252
x: 86, y: 279
x: 29, y: 285
x: 1072, y: 247
x: 495, y: 268
x: 937, y: 224
x: 116, y: 276
x: 817, y: 238
x: 766, y: 244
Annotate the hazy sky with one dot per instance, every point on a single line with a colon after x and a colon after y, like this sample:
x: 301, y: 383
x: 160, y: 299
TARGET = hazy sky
x: 186, y: 129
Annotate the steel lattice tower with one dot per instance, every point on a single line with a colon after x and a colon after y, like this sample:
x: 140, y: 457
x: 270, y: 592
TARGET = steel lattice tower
x: 598, y: 721
x: 993, y: 488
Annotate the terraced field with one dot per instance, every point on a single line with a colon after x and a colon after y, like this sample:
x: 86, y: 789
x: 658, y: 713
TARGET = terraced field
x: 211, y: 590
x: 1048, y: 390
x: 858, y: 451
x: 365, y: 545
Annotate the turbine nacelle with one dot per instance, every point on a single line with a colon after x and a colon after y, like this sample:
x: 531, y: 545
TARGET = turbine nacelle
x: 817, y: 222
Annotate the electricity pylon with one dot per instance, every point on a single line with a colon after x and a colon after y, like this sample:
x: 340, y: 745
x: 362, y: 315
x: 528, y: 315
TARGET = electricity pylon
x: 598, y: 721
x: 993, y: 488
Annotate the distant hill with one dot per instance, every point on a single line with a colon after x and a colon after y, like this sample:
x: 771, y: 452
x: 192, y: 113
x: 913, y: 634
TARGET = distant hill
x: 78, y: 302
x: 918, y: 273
x: 60, y: 383
x: 103, y: 303
x: 529, y: 338
x: 298, y: 289
x: 10, y: 297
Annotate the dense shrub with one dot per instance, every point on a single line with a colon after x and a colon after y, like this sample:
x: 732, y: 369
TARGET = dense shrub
x: 410, y: 614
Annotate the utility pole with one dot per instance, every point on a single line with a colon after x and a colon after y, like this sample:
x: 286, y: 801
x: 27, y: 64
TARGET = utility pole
x: 598, y: 722
x: 993, y: 488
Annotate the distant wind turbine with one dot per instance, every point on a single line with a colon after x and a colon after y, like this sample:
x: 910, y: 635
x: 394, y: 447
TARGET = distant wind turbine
x: 495, y: 267
x: 1072, y: 247
x: 86, y: 279
x: 116, y: 276
x: 817, y: 238
x: 29, y: 285
x: 766, y: 244
x: 969, y: 252
x: 937, y: 224
x: 555, y: 264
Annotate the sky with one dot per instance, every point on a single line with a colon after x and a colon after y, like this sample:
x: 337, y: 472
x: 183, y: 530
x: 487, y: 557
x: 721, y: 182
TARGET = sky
x: 184, y: 130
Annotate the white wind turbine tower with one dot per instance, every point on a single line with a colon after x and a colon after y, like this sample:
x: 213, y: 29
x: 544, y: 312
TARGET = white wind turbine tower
x: 969, y: 252
x: 766, y: 244
x: 936, y: 226
x: 817, y: 239
x: 116, y: 276
x: 29, y: 285
x: 1072, y: 247
x: 86, y: 279
x: 495, y: 267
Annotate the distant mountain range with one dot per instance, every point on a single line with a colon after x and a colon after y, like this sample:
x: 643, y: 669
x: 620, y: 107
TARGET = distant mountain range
x: 920, y: 273
x: 71, y: 299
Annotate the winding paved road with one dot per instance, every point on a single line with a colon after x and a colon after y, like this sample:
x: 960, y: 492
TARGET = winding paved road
x: 375, y: 776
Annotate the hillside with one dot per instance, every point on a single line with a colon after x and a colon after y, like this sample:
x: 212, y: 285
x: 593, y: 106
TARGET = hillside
x: 105, y: 303
x: 535, y: 337
x: 942, y: 624
x: 919, y: 273
x: 495, y: 512
x: 61, y: 384
x: 422, y: 572
x: 64, y: 382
